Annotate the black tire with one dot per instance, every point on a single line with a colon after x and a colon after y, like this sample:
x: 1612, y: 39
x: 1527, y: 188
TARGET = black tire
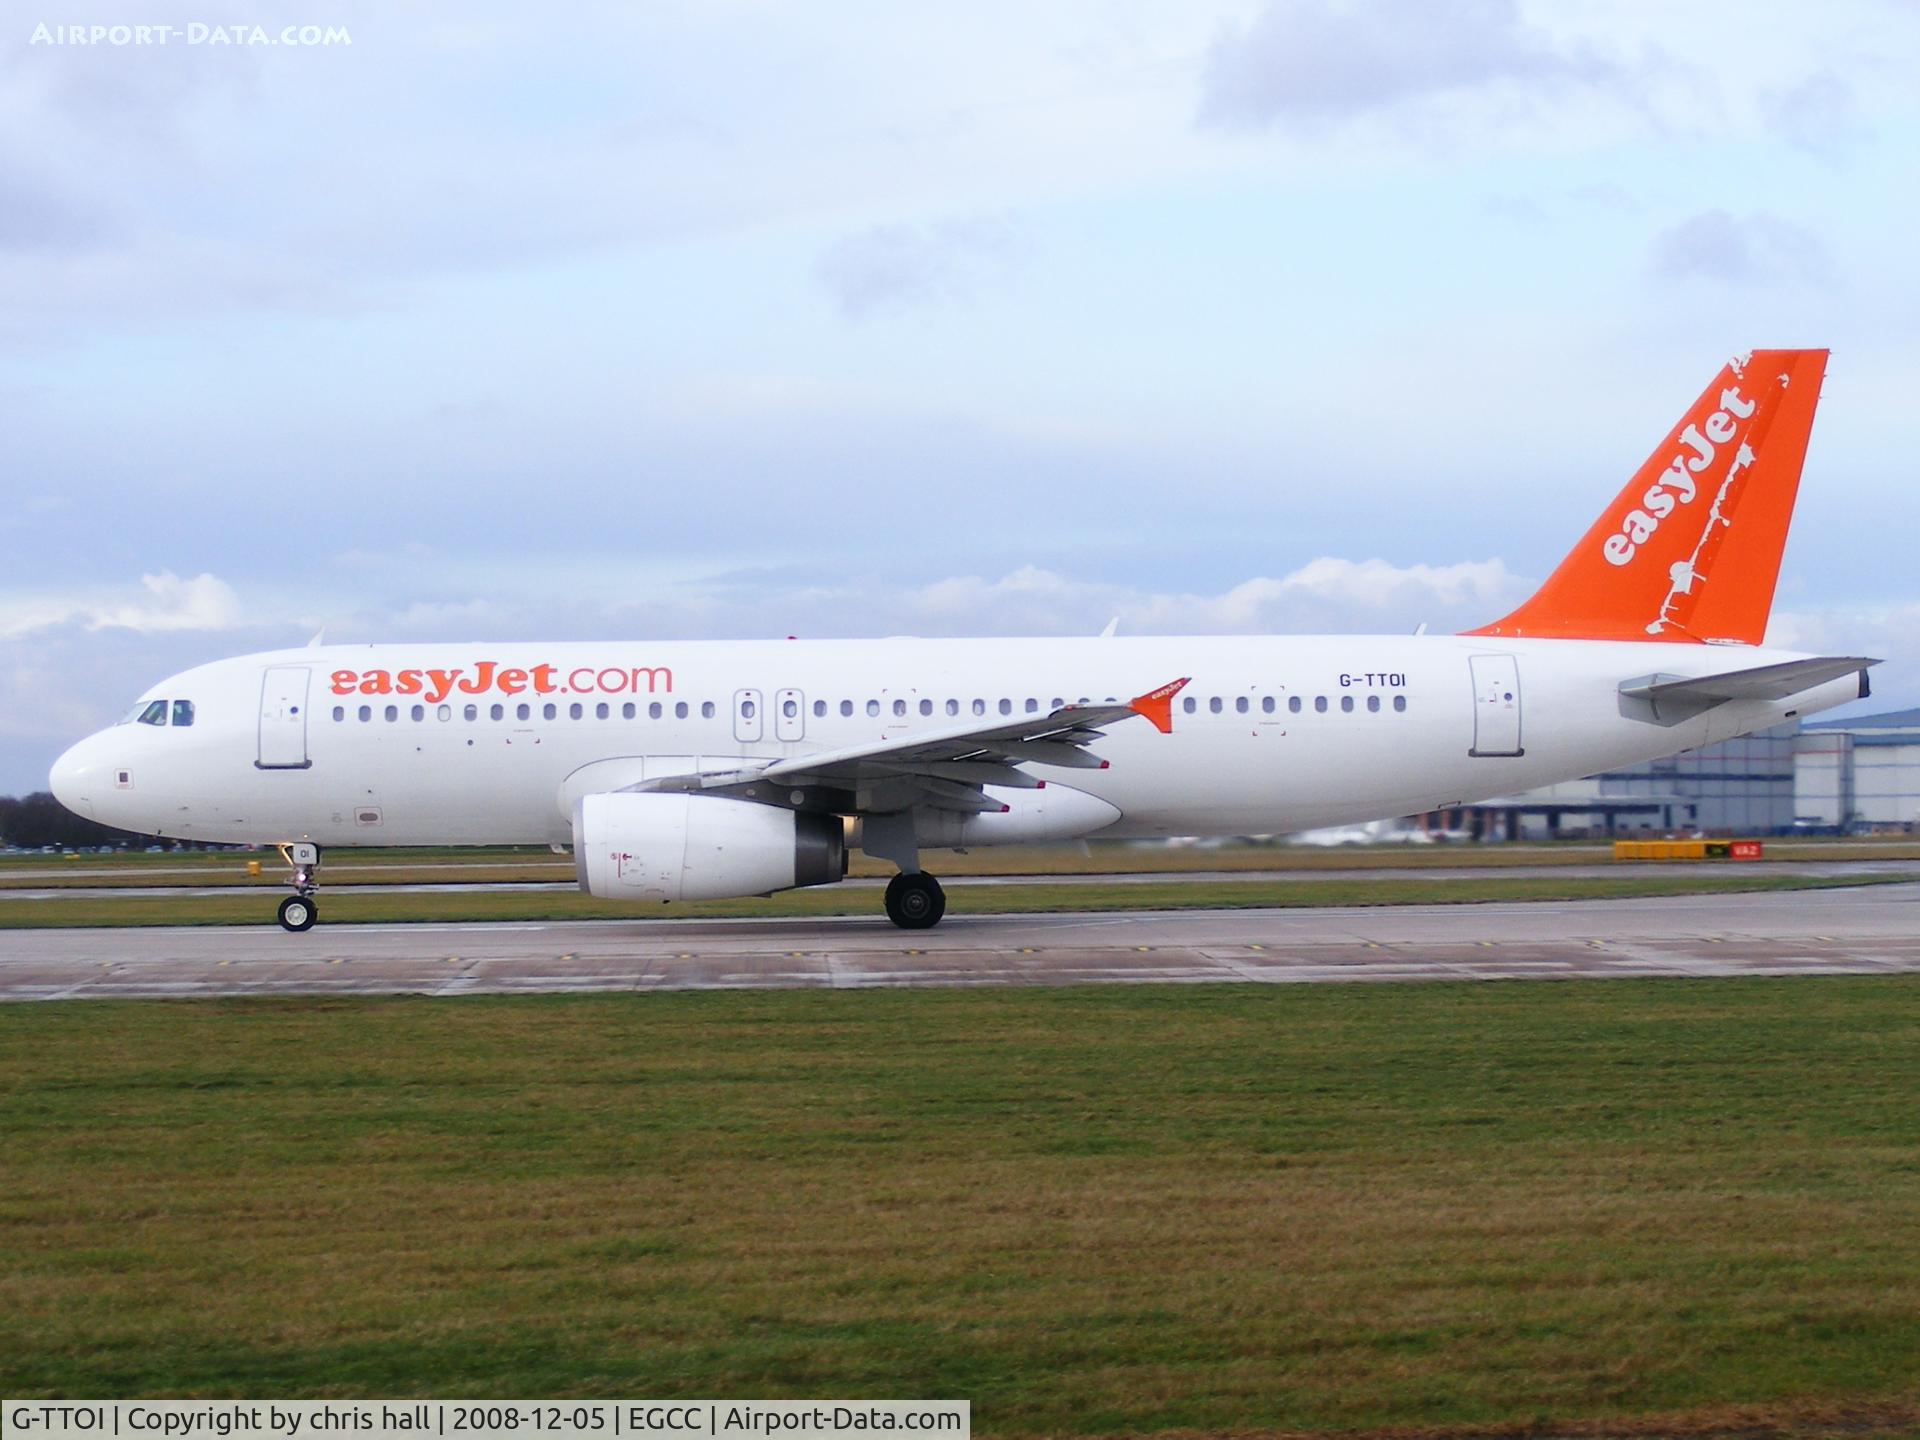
x: 298, y: 913
x: 915, y: 902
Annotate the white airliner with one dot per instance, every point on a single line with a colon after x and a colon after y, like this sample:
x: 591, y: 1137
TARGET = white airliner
x: 704, y: 770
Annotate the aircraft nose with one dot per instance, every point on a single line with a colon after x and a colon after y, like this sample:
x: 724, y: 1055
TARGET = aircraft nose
x: 74, y: 778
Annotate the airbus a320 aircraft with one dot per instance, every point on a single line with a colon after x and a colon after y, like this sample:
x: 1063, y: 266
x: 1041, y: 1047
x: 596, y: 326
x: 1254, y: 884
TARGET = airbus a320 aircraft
x: 693, y: 771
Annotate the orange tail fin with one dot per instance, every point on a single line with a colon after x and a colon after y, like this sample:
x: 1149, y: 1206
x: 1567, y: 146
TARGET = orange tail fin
x: 1690, y: 550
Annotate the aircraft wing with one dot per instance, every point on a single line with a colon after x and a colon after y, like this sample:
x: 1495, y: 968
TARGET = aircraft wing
x: 1673, y: 698
x: 941, y: 768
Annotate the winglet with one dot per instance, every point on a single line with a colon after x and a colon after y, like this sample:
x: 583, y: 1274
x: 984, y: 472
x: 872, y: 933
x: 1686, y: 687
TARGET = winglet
x: 1157, y: 705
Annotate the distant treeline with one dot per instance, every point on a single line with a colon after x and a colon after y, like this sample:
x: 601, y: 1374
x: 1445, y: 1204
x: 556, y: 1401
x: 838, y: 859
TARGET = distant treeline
x: 31, y: 821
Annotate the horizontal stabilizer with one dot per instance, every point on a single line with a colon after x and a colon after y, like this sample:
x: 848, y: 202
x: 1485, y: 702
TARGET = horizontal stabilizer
x: 1673, y: 698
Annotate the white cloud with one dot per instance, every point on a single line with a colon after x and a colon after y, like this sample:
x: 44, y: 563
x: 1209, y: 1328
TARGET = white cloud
x: 1328, y: 593
x: 1715, y: 245
x: 167, y: 603
x: 1313, y: 63
x: 891, y: 267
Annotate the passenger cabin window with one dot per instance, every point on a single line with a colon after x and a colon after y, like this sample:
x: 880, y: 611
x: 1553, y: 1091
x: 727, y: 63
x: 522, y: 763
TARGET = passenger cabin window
x: 183, y: 712
x: 1189, y: 704
x: 819, y: 709
x: 366, y: 712
x: 602, y: 711
x: 1346, y: 704
x: 155, y: 713
x: 846, y: 707
x: 1319, y: 704
x: 1213, y: 705
x: 339, y: 712
x: 1266, y: 704
x: 953, y: 707
x: 1400, y: 703
x: 1293, y: 704
x: 873, y: 707
x: 926, y: 707
x: 706, y: 709
x: 1240, y: 704
x: 419, y: 712
x: 391, y: 713
x: 1373, y: 704
x: 899, y: 707
x: 679, y: 709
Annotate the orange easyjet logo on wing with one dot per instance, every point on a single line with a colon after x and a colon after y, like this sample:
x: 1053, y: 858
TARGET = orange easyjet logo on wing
x: 1679, y: 483
x: 433, y: 686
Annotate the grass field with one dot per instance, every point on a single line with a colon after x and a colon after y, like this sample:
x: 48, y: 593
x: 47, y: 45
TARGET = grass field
x: 524, y: 863
x: 1173, y: 893
x: 1091, y: 1211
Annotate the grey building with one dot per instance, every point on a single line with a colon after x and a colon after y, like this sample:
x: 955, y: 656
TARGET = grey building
x: 1863, y: 772
x: 1737, y: 787
x: 1859, y: 773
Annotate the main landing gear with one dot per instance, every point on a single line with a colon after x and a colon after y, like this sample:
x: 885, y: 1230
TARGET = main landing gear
x: 298, y: 911
x: 915, y: 901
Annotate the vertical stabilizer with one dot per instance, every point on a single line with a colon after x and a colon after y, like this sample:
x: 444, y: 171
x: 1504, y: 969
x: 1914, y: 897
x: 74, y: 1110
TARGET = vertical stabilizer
x: 1690, y: 550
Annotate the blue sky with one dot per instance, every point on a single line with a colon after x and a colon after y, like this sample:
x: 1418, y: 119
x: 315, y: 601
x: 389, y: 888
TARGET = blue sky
x: 730, y: 319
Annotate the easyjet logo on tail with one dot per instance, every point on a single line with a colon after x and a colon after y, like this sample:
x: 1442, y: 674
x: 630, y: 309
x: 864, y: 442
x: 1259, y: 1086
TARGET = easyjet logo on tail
x: 1679, y: 483
x: 433, y: 686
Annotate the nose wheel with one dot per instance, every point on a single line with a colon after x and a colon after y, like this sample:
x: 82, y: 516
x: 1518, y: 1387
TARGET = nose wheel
x: 299, y: 910
x: 915, y: 901
x: 297, y: 913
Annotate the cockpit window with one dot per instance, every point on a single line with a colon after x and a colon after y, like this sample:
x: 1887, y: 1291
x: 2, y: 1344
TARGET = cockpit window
x: 154, y: 714
x: 183, y: 712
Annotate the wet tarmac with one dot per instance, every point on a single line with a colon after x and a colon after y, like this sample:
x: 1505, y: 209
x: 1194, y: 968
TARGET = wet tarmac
x: 1872, y: 930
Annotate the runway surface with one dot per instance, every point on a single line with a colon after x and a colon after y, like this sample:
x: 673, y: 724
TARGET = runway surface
x: 1874, y: 930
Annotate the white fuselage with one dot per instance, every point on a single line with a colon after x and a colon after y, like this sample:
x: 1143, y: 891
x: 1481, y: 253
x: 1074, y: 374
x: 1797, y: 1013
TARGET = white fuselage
x: 403, y: 744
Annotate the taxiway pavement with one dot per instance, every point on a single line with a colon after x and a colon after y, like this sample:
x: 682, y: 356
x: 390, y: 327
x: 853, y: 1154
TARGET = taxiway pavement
x: 1872, y: 930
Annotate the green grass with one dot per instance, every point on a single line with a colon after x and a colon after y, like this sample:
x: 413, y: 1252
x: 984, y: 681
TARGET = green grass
x: 504, y: 863
x: 1171, y: 894
x: 1090, y: 1211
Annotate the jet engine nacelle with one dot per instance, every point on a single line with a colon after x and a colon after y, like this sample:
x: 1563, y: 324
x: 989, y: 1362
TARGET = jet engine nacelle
x: 700, y: 847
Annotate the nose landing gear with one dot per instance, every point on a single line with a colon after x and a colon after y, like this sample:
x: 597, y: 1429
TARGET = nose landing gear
x: 299, y: 910
x: 915, y: 901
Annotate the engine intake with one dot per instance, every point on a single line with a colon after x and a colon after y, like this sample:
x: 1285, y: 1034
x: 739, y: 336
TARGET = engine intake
x: 700, y: 847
